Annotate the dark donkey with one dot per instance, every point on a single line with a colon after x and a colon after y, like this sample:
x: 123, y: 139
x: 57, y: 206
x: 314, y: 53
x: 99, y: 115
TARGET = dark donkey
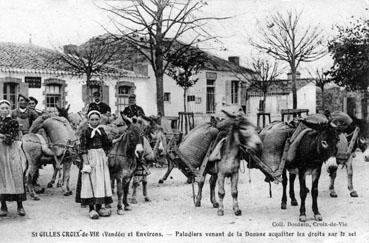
x: 361, y: 142
x: 123, y: 161
x: 315, y: 147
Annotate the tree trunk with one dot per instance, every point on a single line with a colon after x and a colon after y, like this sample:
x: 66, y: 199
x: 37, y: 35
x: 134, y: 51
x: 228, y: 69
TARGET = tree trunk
x: 160, y: 93
x: 264, y: 103
x: 323, y: 102
x: 294, y: 90
x: 159, y: 62
x: 364, y: 104
x: 184, y: 100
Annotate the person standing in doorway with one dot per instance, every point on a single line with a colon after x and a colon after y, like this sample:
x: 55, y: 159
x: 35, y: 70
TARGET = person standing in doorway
x: 98, y: 105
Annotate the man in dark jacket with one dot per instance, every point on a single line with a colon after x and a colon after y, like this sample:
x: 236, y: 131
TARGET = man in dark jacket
x: 23, y: 114
x: 133, y: 110
x: 98, y: 105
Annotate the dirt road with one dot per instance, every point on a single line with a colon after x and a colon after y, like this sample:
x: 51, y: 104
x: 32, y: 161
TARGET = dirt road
x: 171, y: 216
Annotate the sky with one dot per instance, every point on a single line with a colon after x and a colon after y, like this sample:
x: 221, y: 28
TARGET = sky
x: 53, y: 23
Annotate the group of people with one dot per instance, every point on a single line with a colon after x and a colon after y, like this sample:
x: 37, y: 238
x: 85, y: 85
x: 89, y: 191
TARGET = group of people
x: 94, y: 187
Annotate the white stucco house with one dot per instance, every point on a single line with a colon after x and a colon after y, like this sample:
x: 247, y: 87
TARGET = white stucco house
x: 280, y: 97
x: 26, y: 69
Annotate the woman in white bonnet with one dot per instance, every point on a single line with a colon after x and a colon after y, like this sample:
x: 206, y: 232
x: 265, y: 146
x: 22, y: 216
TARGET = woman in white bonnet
x: 11, y: 162
x: 95, y: 179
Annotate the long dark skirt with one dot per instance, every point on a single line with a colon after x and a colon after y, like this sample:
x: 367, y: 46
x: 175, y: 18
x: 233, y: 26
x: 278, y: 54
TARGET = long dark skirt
x: 79, y: 183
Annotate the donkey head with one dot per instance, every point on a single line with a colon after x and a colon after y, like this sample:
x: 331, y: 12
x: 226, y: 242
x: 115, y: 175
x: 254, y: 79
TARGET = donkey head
x: 243, y: 132
x: 134, y: 135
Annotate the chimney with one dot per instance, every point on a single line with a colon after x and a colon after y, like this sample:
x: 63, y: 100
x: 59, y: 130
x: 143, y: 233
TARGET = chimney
x: 30, y: 39
x: 289, y: 75
x: 234, y: 60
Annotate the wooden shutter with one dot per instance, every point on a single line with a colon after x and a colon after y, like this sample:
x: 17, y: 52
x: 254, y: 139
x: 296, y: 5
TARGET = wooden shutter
x: 105, y: 94
x: 243, y: 94
x: 1, y: 89
x: 23, y: 89
x: 84, y: 94
x: 228, y: 92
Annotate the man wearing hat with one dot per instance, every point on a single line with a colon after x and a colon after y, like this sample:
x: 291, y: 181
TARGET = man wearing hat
x: 98, y: 105
x: 32, y: 103
x: 132, y: 109
x: 24, y: 115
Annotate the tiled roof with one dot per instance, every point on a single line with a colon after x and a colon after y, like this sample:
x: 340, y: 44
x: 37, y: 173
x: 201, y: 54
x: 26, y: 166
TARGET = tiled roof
x: 25, y: 57
x: 28, y: 58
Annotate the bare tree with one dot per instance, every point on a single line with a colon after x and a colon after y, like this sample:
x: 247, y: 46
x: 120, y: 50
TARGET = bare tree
x: 90, y: 59
x: 285, y: 39
x: 154, y: 26
x: 321, y: 78
x: 264, y: 77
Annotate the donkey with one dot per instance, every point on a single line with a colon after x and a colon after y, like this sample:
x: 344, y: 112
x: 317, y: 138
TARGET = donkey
x: 122, y: 161
x: 316, y: 147
x: 153, y: 141
x: 361, y: 142
x: 61, y: 150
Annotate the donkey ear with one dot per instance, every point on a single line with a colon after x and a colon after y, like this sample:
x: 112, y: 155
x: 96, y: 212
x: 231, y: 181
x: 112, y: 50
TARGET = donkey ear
x: 67, y: 109
x: 127, y: 120
x: 228, y: 114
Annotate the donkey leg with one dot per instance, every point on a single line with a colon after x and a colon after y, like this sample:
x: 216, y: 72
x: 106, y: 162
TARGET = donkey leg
x: 112, y: 182
x: 30, y: 181
x: 125, y: 194
x: 51, y: 183
x: 135, y: 184
x: 234, y: 185
x: 284, y: 193
x: 332, y: 170
x: 60, y: 182
x: 200, y: 185
x: 350, y: 173
x: 292, y: 189
x: 221, y: 194
x: 169, y: 169
x: 314, y: 193
x: 66, y: 176
x: 303, y: 194
x: 144, y: 189
x: 120, y: 195
x: 212, y: 182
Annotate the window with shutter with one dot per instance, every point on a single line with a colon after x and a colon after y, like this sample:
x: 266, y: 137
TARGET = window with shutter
x: 234, y: 92
x: 55, y: 95
x: 10, y: 89
x: 123, y: 90
x: 228, y: 87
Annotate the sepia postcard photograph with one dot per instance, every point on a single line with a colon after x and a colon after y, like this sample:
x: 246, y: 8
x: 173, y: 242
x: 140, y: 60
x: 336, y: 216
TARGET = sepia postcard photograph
x: 184, y: 121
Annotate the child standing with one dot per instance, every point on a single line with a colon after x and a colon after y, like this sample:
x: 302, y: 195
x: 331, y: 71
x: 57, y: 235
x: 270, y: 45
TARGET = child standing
x: 95, y: 181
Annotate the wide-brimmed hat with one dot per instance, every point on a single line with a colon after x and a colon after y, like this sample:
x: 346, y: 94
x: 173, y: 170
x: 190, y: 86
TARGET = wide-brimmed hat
x: 23, y: 96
